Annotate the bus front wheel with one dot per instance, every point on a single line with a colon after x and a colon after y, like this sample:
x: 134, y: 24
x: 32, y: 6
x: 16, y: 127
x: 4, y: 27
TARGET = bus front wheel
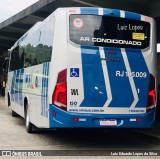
x: 28, y: 124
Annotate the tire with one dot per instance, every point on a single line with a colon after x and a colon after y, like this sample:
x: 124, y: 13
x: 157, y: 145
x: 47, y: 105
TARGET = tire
x: 28, y: 124
x: 14, y: 114
x: 9, y: 102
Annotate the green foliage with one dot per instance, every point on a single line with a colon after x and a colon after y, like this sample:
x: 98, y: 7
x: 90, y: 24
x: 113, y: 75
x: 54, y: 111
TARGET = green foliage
x: 37, y: 55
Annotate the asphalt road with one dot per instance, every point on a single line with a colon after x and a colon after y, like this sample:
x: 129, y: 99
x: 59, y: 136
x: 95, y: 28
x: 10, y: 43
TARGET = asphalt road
x: 85, y: 142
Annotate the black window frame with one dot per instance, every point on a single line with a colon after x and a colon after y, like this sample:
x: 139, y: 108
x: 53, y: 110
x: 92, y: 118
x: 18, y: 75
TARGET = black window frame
x: 114, y: 42
x: 16, y: 62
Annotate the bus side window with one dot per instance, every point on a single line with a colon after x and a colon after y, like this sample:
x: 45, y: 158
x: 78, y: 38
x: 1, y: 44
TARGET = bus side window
x: 38, y: 46
x: 17, y: 59
x: 44, y: 48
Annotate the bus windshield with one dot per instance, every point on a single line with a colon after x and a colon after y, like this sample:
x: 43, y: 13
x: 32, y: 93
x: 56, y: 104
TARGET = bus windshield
x: 105, y: 31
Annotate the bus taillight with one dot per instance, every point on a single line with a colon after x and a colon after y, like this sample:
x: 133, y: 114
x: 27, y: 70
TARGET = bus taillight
x: 151, y: 94
x: 59, y: 97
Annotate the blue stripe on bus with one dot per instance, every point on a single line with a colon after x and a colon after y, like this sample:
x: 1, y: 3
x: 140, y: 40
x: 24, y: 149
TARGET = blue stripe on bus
x: 93, y: 78
x: 94, y: 84
x: 16, y: 87
x: 42, y: 93
x: 89, y: 11
x: 45, y: 80
x: 13, y: 86
x: 42, y: 110
x: 131, y: 15
x: 111, y: 12
x: 141, y: 83
x: 45, y: 90
x: 21, y: 86
x: 47, y: 104
x: 44, y: 96
x: 122, y: 95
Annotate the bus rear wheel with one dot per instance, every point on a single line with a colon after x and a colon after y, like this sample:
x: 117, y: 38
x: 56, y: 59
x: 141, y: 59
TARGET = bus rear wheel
x: 28, y: 124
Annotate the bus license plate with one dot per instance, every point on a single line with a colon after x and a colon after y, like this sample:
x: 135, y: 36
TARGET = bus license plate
x: 104, y: 122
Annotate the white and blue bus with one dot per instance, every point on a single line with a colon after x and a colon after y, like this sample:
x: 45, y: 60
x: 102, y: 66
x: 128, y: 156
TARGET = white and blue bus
x: 85, y: 68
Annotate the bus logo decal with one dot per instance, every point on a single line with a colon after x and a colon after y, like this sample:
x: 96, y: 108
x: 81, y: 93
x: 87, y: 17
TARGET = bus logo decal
x: 74, y: 92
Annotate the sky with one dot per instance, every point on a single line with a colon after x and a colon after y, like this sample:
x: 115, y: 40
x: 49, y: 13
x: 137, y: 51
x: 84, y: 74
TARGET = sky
x: 9, y: 8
